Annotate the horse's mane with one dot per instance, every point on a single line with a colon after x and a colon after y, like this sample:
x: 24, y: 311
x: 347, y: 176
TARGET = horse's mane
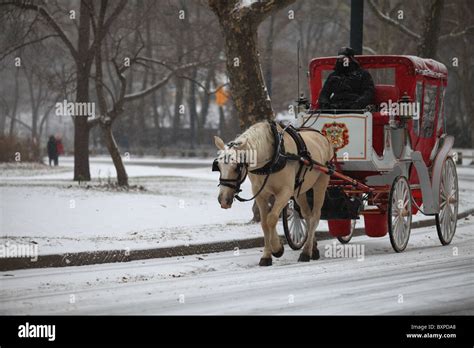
x: 259, y: 138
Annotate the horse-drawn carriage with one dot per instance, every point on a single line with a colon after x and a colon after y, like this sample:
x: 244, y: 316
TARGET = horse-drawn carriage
x: 385, y: 163
x: 391, y: 161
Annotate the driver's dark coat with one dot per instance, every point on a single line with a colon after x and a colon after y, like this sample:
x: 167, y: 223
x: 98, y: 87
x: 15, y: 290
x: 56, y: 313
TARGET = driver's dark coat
x: 347, y: 88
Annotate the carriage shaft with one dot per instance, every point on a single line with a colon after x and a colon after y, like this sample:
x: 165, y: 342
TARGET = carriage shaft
x: 351, y: 181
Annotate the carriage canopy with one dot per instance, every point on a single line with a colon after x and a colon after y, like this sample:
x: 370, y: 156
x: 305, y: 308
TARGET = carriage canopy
x: 400, y: 71
x: 422, y: 80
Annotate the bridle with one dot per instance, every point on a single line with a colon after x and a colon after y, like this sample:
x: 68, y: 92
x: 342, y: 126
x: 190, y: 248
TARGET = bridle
x: 232, y: 183
x: 237, y: 182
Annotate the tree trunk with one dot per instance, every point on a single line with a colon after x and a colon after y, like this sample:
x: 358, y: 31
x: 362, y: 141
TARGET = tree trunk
x: 107, y: 121
x: 179, y: 82
x: 16, y: 97
x: 81, y: 146
x: 268, y: 66
x: 154, y: 96
x: 245, y: 74
x: 205, y: 101
x: 156, y: 119
x: 3, y: 119
x: 35, y: 100
x: 178, y: 102
x: 122, y: 178
x: 81, y: 128
x: 431, y: 27
x: 193, y: 115
x: 240, y: 27
x: 221, y: 122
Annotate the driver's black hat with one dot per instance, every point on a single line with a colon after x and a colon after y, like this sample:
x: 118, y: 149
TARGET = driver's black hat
x: 346, y: 51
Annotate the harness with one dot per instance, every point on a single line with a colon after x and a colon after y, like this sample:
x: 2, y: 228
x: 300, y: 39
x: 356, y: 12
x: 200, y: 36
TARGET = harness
x: 279, y: 158
x: 277, y: 163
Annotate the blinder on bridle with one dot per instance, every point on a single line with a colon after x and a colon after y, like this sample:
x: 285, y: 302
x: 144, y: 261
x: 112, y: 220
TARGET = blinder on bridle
x: 215, y: 166
x: 231, y: 183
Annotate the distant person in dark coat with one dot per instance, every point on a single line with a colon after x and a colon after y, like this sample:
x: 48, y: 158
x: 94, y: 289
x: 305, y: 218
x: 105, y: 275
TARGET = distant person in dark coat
x: 52, y: 150
x: 348, y: 86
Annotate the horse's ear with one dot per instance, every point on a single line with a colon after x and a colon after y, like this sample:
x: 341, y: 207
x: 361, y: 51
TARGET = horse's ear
x: 219, y: 143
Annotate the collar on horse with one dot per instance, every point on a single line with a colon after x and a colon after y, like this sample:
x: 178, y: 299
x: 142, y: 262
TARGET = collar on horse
x: 278, y: 161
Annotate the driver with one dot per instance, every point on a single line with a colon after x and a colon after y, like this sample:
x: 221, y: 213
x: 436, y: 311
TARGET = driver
x: 348, y: 86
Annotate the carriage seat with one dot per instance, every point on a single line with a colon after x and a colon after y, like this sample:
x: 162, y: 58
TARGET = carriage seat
x: 383, y: 93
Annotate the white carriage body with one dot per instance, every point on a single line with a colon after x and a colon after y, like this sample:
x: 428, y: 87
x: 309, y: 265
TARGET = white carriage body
x: 356, y: 153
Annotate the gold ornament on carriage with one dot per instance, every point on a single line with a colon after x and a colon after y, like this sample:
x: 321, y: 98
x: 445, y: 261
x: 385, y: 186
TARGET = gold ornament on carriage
x: 336, y: 133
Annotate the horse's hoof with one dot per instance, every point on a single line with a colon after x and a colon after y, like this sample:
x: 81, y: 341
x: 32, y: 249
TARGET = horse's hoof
x: 265, y: 261
x: 280, y: 252
x: 315, y: 255
x: 304, y: 257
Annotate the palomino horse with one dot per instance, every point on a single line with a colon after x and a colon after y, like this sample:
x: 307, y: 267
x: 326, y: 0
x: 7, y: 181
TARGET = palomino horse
x: 260, y: 140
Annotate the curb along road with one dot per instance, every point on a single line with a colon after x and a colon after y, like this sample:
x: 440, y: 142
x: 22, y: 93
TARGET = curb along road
x: 109, y: 256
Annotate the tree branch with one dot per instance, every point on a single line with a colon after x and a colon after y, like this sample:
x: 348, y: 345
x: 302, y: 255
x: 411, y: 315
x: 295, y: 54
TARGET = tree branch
x: 207, y: 90
x: 387, y: 19
x: 154, y: 87
x: 261, y: 9
x: 107, y: 22
x: 453, y: 35
x: 159, y: 84
x: 51, y: 21
x: 26, y: 44
x: 369, y: 49
x: 20, y: 122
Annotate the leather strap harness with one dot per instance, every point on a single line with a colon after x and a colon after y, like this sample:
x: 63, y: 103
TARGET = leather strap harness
x: 278, y: 162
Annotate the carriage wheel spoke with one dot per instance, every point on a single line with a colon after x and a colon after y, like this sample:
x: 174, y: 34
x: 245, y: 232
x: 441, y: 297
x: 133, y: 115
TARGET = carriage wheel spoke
x: 296, y: 228
x: 448, y: 197
x: 400, y: 210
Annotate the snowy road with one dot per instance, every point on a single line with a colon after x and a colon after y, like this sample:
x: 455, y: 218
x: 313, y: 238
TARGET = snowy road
x: 425, y: 279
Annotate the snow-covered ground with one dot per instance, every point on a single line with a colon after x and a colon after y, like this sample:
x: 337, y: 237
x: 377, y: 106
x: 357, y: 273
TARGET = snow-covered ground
x: 425, y: 279
x: 179, y: 207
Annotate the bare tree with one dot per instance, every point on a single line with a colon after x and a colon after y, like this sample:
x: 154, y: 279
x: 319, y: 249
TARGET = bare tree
x: 83, y: 56
x: 239, y: 25
x: 110, y: 114
x: 427, y: 41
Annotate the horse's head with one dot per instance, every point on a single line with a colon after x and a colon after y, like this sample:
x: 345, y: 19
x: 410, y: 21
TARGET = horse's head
x: 232, y: 168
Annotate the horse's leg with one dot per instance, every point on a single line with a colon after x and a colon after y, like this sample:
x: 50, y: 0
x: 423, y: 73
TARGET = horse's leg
x: 281, y: 200
x: 262, y: 203
x: 310, y: 248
